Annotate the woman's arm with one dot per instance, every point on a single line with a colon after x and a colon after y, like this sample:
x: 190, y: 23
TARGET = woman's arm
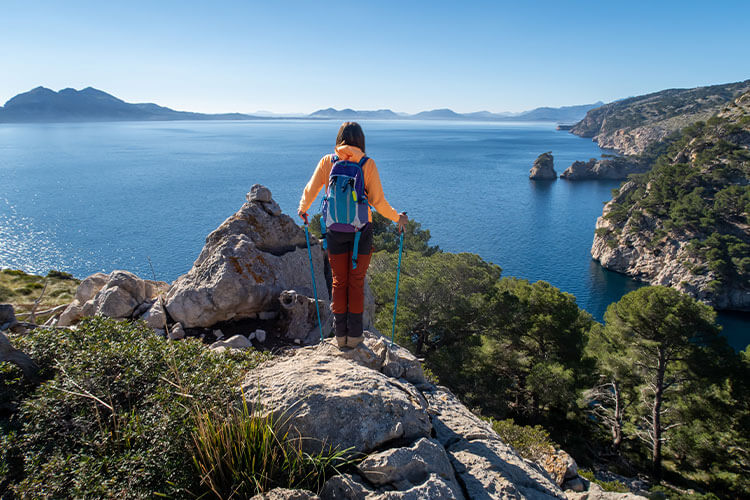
x: 316, y: 183
x: 375, y: 194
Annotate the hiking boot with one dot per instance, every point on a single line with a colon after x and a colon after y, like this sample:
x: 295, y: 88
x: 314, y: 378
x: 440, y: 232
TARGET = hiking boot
x: 354, y: 341
x: 341, y: 341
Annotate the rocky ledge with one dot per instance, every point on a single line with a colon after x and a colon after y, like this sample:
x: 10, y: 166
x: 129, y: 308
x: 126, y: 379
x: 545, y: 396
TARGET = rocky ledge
x: 617, y: 168
x: 415, y: 440
x: 543, y: 168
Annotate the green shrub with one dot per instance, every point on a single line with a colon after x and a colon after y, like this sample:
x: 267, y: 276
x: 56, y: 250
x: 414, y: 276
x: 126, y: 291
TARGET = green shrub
x: 60, y: 275
x: 115, y: 414
x: 239, y: 453
x: 530, y: 442
x: 613, y: 486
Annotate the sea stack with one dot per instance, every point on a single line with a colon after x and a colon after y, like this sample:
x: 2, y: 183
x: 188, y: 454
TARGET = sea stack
x: 543, y: 168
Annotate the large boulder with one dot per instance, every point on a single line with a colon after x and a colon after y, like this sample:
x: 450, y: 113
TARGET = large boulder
x: 7, y: 317
x: 120, y: 295
x: 418, y: 441
x: 543, y: 168
x: 245, y: 264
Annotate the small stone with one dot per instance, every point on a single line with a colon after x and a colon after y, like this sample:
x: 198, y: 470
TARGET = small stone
x: 160, y: 332
x: 267, y: 315
x: 251, y: 336
x: 218, y: 334
x: 258, y: 193
x: 260, y: 335
x: 177, y: 332
x: 576, y: 485
x: 235, y: 342
x: 298, y: 341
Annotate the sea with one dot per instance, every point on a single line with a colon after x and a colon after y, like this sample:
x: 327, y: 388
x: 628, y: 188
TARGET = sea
x: 89, y: 197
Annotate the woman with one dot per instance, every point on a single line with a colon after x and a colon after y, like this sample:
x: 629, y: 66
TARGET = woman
x: 348, y: 282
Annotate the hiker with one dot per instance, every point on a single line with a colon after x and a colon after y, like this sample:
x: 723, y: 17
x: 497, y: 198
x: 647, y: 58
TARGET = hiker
x: 349, y: 243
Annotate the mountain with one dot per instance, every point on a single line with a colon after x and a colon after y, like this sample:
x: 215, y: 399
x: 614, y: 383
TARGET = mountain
x: 566, y: 114
x: 379, y: 114
x: 686, y: 223
x: 44, y: 105
x: 630, y: 125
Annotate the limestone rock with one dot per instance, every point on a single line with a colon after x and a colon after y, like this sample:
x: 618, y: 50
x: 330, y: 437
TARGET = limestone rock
x: 559, y: 465
x: 543, y: 168
x: 299, y: 319
x: 120, y: 295
x: 286, y: 494
x: 177, y: 332
x: 155, y: 316
x: 487, y: 467
x: 350, y: 486
x: 244, y: 266
x: 595, y: 492
x: 618, y: 168
x: 234, y: 342
x: 576, y: 484
x: 404, y: 468
x: 260, y: 335
x: 10, y: 354
x: 7, y: 317
x: 331, y: 401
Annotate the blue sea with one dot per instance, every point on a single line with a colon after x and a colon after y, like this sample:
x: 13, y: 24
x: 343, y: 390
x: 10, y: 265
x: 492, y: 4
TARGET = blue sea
x: 94, y: 197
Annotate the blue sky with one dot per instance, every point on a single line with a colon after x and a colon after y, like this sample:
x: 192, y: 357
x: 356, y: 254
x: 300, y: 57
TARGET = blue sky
x: 298, y: 56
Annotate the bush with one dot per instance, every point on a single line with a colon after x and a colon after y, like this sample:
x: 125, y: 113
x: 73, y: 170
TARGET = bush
x: 613, y: 486
x: 115, y: 414
x: 530, y: 442
x: 60, y: 275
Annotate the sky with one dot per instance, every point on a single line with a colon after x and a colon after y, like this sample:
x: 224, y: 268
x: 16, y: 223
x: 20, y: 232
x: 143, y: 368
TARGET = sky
x: 299, y: 56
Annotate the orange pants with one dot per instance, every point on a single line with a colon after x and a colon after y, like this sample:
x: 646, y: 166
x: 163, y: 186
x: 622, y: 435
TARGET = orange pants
x: 348, y: 294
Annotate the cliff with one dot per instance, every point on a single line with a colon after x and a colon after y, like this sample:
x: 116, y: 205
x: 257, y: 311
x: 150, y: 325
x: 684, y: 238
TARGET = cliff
x: 686, y: 223
x: 630, y: 125
x: 606, y: 168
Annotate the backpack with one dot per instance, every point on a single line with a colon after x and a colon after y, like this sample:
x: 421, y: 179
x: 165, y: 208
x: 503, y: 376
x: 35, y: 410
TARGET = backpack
x: 345, y: 206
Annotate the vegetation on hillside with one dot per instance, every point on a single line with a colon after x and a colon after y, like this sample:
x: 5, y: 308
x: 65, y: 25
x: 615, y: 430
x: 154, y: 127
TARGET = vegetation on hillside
x: 22, y: 290
x: 698, y: 192
x: 524, y: 351
x: 121, y: 412
x: 684, y: 105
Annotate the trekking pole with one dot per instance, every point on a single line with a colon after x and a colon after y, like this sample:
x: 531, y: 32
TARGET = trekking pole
x: 398, y: 276
x: 312, y: 275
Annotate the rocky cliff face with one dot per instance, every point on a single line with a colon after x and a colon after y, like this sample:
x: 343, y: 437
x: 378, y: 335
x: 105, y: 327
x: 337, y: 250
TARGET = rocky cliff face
x: 686, y: 224
x: 629, y: 126
x: 543, y: 168
x: 605, y: 168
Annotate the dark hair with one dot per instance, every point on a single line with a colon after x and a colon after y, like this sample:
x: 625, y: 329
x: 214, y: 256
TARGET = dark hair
x: 351, y: 134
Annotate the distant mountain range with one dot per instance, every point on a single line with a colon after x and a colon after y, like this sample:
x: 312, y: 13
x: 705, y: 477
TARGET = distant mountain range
x: 69, y: 105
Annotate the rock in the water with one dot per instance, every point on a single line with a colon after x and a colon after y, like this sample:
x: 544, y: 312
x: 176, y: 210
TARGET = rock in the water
x: 543, y: 168
x: 234, y: 342
x: 286, y: 494
x: 117, y: 295
x: 618, y: 168
x: 244, y: 266
x: 177, y: 332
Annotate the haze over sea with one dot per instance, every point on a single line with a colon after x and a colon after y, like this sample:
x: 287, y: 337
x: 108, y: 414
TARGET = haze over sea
x: 90, y: 197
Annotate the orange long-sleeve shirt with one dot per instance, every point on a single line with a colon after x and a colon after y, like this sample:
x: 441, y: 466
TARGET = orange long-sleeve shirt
x: 373, y: 187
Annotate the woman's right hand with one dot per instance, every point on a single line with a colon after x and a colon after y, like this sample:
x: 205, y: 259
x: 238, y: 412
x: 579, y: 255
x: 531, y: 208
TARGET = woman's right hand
x: 402, y: 221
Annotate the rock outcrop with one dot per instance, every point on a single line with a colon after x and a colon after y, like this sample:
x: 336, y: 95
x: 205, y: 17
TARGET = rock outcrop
x: 245, y: 264
x: 10, y: 354
x: 543, y: 168
x: 417, y: 439
x: 681, y: 225
x: 120, y: 294
x: 253, y: 267
x: 630, y: 126
x: 618, y: 168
